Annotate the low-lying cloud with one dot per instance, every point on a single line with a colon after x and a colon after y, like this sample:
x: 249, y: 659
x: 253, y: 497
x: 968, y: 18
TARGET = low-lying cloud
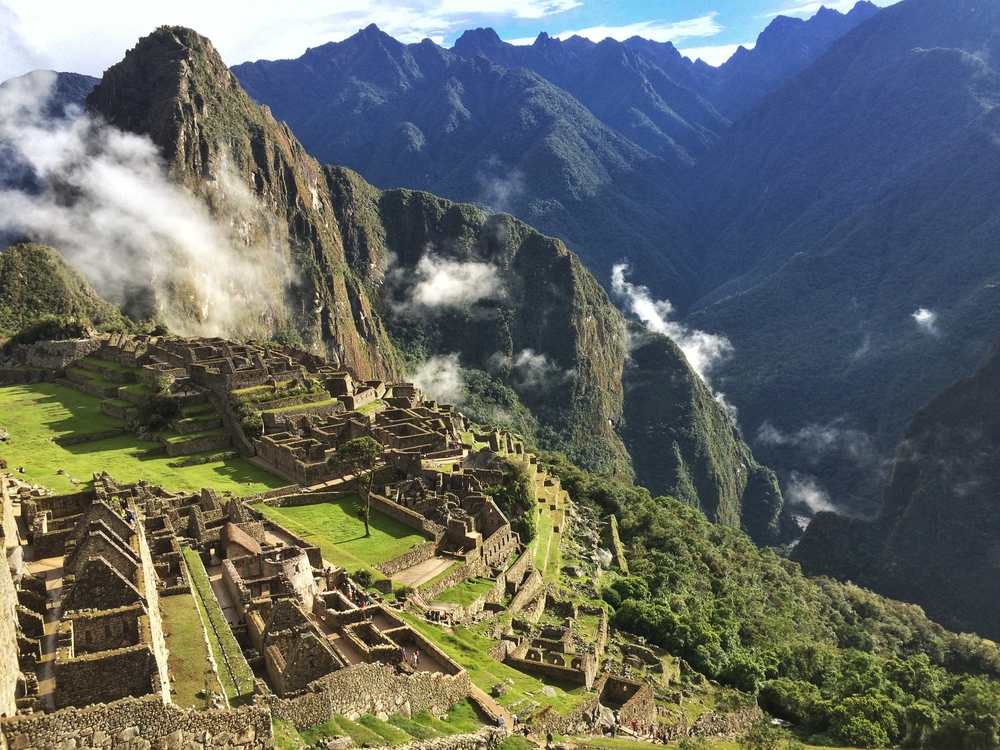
x: 531, y: 371
x: 817, y: 440
x: 704, y: 351
x: 926, y: 321
x: 440, y: 378
x: 805, y: 490
x: 106, y: 203
x: 441, y: 282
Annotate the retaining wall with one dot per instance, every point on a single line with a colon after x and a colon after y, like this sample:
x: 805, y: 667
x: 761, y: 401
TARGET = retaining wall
x: 140, y: 723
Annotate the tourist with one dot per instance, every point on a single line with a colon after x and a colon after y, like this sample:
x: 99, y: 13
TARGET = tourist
x: 500, y: 723
x: 635, y: 727
x: 548, y: 739
x: 514, y: 719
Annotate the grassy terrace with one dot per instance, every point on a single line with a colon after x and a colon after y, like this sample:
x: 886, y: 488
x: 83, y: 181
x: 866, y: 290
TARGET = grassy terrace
x: 469, y: 649
x: 466, y: 593
x: 545, y: 546
x: 234, y: 672
x: 93, y: 359
x: 301, y: 407
x: 188, y: 661
x: 338, y: 531
x: 34, y: 414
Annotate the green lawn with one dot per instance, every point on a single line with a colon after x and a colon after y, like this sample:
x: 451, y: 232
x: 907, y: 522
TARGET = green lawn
x: 234, y: 672
x: 288, y: 410
x: 188, y: 661
x: 466, y: 593
x: 469, y: 649
x: 338, y: 531
x: 33, y: 414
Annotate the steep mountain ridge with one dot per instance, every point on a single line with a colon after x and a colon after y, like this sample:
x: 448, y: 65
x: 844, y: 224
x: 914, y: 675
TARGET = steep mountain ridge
x: 420, y: 117
x: 174, y: 87
x: 36, y: 283
x: 529, y: 316
x: 845, y: 203
x: 935, y: 540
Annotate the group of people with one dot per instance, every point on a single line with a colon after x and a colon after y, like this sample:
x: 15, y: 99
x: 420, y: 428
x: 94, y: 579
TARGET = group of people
x: 127, y: 513
x: 436, y: 615
x: 357, y: 596
x: 415, y: 656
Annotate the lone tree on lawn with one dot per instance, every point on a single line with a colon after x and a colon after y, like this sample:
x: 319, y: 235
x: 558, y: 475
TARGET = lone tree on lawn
x: 360, y: 454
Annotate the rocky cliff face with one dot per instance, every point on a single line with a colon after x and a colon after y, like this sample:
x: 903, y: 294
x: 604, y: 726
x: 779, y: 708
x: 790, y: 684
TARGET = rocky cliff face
x: 388, y: 276
x: 255, y: 177
x: 684, y: 444
x: 935, y: 541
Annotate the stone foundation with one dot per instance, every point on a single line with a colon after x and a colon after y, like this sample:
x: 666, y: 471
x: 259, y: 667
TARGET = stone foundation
x: 140, y: 724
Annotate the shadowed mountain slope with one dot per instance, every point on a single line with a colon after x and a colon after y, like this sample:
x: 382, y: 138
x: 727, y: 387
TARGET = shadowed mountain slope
x: 935, y: 541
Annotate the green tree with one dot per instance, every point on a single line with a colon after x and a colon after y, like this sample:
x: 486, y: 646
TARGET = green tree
x: 360, y: 454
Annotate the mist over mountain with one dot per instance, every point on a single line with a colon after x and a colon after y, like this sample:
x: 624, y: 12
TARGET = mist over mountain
x: 934, y: 541
x: 240, y: 232
x: 750, y: 230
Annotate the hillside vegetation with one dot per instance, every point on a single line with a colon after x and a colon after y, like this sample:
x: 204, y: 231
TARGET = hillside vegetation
x: 834, y: 659
x: 36, y: 284
x: 935, y: 539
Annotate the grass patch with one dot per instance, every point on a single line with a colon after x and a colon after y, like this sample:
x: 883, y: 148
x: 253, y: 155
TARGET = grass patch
x: 469, y: 649
x: 424, y: 719
x: 464, y: 717
x: 466, y: 593
x: 370, y: 407
x: 188, y: 660
x: 174, y: 439
x: 413, y: 728
x: 390, y: 734
x: 362, y: 736
x: 285, y: 736
x: 234, y: 672
x: 328, y: 729
x: 301, y: 407
x: 198, y: 410
x: 513, y: 742
x: 93, y: 359
x: 338, y: 531
x: 33, y: 414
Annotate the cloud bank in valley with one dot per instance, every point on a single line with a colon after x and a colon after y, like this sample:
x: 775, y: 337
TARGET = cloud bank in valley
x: 441, y: 282
x: 105, y: 202
x: 704, y: 351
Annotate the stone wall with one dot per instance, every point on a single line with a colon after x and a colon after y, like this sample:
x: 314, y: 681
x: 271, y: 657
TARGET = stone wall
x: 371, y: 689
x: 9, y: 671
x: 408, y: 559
x: 461, y: 574
x: 197, y: 445
x: 140, y: 724
x: 68, y: 440
x: 405, y: 515
x: 85, y: 680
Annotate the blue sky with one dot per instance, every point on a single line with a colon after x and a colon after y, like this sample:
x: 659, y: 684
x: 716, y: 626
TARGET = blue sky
x: 87, y: 36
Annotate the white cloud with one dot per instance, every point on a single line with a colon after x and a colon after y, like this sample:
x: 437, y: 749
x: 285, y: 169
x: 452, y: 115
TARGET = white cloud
x: 449, y: 283
x: 703, y: 350
x: 18, y: 55
x: 714, y: 56
x: 109, y: 207
x: 440, y: 378
x: 817, y: 439
x: 804, y: 489
x: 657, y: 31
x: 926, y: 321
